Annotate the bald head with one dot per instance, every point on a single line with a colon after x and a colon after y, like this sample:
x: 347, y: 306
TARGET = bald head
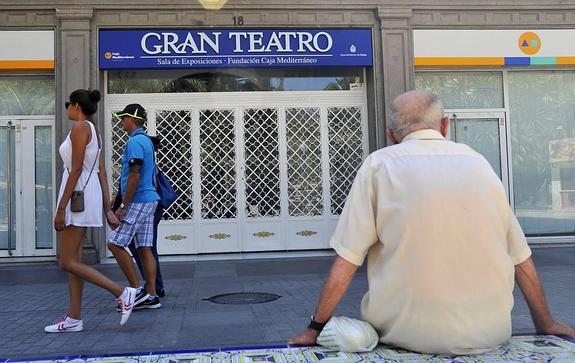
x: 415, y: 110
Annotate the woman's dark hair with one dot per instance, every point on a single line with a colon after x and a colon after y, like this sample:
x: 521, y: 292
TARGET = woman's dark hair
x: 87, y: 99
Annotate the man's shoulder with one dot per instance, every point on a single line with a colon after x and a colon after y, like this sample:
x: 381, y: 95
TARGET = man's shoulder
x: 414, y: 149
x: 142, y: 140
x: 376, y: 160
x: 387, y: 153
x: 380, y: 158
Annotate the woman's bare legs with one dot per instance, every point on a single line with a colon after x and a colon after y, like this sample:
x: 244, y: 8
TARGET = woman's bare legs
x: 76, y: 287
x: 70, y: 252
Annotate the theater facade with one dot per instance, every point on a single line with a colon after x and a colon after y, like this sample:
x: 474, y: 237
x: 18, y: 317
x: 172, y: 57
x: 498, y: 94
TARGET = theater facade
x: 266, y: 109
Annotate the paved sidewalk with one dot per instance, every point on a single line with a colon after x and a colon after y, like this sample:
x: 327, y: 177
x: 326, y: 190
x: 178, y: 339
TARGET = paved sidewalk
x: 35, y: 295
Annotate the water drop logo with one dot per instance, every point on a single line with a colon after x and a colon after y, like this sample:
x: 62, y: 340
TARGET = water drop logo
x: 529, y: 43
x: 352, y: 49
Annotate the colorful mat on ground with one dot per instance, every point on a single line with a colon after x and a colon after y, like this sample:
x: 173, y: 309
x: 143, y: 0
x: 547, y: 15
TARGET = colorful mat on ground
x: 518, y: 349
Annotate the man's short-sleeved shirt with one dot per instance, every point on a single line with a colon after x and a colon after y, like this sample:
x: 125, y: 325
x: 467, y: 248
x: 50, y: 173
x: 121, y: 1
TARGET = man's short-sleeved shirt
x: 433, y: 219
x: 140, y: 147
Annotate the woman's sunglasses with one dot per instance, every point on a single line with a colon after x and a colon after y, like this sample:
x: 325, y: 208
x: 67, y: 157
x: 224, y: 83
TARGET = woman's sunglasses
x: 67, y: 104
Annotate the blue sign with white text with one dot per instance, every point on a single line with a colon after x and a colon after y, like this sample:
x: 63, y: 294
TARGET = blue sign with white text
x: 209, y: 48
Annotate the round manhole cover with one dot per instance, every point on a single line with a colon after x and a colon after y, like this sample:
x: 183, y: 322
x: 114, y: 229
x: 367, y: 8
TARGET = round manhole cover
x: 241, y: 298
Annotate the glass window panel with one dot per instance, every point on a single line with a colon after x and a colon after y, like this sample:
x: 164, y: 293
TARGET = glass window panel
x: 345, y: 152
x: 218, y: 164
x: 27, y: 95
x: 43, y: 186
x: 305, y: 174
x: 262, y: 166
x: 234, y: 80
x: 542, y: 119
x: 483, y: 136
x: 6, y: 161
x: 464, y: 90
x: 174, y: 127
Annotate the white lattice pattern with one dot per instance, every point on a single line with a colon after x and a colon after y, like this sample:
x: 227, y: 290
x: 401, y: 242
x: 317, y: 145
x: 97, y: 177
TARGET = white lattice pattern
x: 345, y: 152
x: 175, y: 128
x: 262, y: 162
x: 218, y: 164
x: 304, y: 161
x: 119, y: 139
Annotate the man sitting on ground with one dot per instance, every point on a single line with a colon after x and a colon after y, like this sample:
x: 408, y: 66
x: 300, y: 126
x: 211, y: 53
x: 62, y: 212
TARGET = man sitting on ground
x: 443, y: 246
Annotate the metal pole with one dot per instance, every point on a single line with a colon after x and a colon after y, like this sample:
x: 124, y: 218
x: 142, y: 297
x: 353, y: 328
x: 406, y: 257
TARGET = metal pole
x: 9, y: 186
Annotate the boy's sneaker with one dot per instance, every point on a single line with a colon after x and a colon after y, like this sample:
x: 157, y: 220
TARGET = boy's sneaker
x: 126, y: 303
x: 152, y: 302
x: 141, y: 295
x: 65, y: 326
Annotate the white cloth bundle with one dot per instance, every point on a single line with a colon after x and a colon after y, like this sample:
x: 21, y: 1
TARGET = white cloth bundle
x: 348, y: 335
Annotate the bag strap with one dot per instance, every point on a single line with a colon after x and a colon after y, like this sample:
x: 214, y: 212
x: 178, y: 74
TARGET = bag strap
x: 97, y: 156
x: 155, y: 167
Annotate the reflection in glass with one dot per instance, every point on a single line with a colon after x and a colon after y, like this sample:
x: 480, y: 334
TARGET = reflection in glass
x: 218, y: 164
x: 174, y: 127
x: 261, y: 135
x: 43, y: 186
x: 6, y: 223
x: 542, y: 119
x: 16, y: 93
x: 305, y: 175
x: 464, y: 90
x: 345, y: 152
x: 482, y: 135
x: 234, y: 80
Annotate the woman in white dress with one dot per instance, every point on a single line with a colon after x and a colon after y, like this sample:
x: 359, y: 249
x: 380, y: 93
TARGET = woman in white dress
x: 84, y: 169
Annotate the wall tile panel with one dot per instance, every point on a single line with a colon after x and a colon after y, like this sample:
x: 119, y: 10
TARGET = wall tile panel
x: 500, y: 18
x: 450, y: 18
x: 361, y: 18
x: 17, y: 19
x: 277, y: 18
x: 139, y: 18
x: 555, y: 18
x: 529, y: 18
x: 477, y: 18
x: 194, y: 18
x: 168, y: 18
x: 422, y: 18
x: 305, y: 18
x: 330, y: 18
x: 108, y: 19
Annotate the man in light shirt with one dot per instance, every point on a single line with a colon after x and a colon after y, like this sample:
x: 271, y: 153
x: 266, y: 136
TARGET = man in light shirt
x: 443, y: 246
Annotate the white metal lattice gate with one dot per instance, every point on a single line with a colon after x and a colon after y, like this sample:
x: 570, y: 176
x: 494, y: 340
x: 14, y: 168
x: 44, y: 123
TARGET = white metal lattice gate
x: 254, y: 171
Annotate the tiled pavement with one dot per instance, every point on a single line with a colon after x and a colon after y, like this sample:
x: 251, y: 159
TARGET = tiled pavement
x: 35, y: 295
x: 523, y: 348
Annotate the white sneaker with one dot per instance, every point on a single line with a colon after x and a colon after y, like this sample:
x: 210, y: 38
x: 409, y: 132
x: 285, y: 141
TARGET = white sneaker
x: 64, y: 326
x: 126, y: 304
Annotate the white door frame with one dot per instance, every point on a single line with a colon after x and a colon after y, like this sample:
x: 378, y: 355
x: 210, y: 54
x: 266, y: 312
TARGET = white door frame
x: 24, y: 207
x: 199, y: 235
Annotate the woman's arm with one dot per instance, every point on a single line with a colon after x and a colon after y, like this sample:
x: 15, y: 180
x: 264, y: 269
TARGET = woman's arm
x: 80, y: 137
x: 104, y: 184
x: 102, y: 176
